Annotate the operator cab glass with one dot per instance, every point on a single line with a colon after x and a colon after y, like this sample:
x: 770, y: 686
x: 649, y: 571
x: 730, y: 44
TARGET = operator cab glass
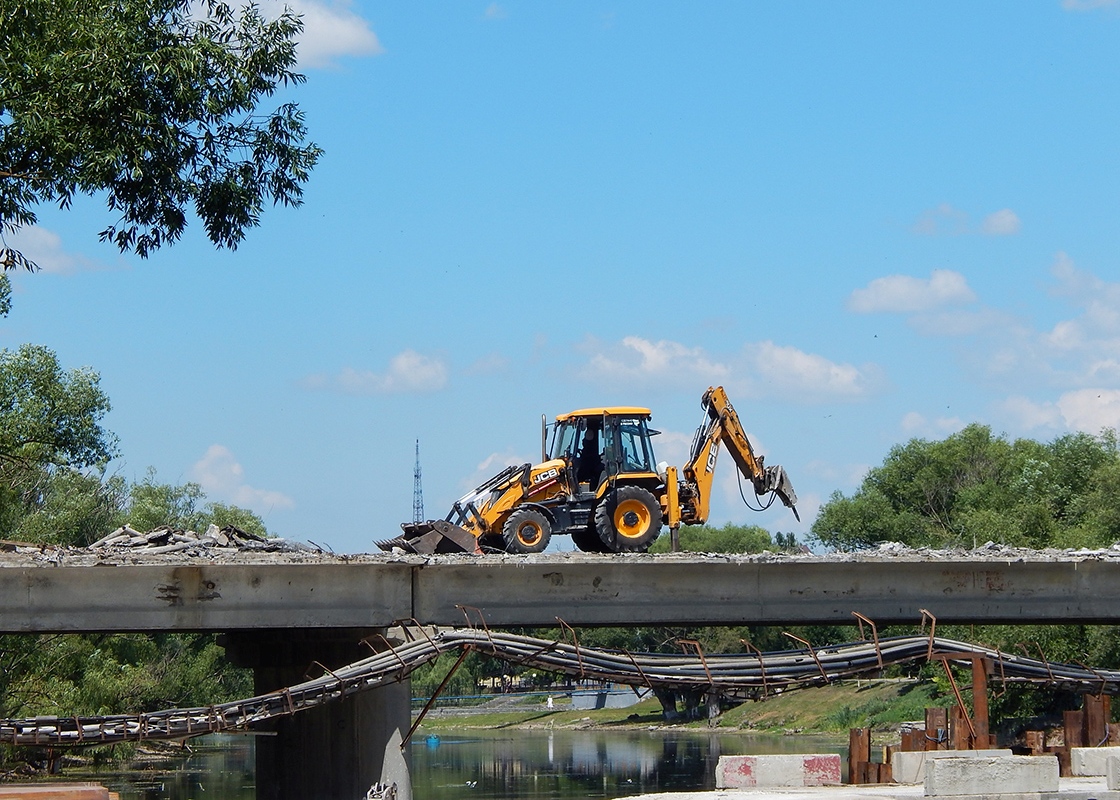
x: 635, y: 450
x: 565, y: 438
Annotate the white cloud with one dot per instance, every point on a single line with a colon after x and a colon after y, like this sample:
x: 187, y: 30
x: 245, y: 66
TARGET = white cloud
x: 1031, y: 415
x: 223, y: 479
x: 331, y: 29
x: 492, y: 465
x: 906, y: 294
x: 942, y: 220
x: 947, y: 220
x: 44, y: 247
x: 796, y: 374
x: 1090, y: 410
x: 1004, y: 222
x: 1087, y: 410
x: 915, y: 424
x: 638, y: 360
x: 760, y: 369
x: 409, y: 372
x: 494, y: 11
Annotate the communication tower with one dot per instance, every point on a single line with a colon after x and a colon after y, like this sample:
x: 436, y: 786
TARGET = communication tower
x: 417, y: 490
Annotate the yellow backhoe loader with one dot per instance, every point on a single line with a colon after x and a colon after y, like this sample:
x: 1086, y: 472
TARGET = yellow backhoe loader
x: 601, y: 484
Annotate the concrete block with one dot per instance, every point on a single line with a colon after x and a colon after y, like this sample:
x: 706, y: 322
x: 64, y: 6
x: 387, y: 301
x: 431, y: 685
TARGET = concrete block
x: 910, y: 767
x: 1085, y: 761
x: 950, y: 777
x: 1112, y: 773
x: 744, y: 772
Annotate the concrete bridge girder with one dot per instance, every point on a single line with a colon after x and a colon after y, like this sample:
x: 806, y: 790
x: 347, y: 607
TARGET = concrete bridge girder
x: 649, y: 590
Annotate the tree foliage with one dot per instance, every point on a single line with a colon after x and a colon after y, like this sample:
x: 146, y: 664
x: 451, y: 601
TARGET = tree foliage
x: 49, y: 416
x: 730, y: 538
x: 153, y: 103
x: 973, y: 487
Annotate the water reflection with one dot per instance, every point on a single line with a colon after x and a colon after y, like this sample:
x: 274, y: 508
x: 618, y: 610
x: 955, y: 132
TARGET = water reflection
x: 486, y: 765
x: 219, y: 767
x: 569, y: 764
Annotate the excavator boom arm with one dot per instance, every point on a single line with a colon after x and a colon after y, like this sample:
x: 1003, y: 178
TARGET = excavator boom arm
x: 723, y: 426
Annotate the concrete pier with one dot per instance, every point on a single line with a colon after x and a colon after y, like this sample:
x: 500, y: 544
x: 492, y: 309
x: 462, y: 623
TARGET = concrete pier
x: 337, y: 751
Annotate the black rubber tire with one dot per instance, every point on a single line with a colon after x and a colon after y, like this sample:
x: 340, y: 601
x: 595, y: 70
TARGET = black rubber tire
x: 628, y: 520
x: 526, y: 531
x: 587, y: 540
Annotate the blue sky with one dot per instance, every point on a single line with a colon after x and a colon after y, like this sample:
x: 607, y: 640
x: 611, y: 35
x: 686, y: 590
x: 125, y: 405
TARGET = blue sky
x: 870, y: 222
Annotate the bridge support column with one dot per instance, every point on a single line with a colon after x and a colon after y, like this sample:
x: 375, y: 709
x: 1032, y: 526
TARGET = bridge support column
x: 334, y: 752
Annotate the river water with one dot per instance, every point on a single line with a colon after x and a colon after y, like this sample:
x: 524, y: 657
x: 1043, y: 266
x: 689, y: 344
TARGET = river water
x: 488, y: 765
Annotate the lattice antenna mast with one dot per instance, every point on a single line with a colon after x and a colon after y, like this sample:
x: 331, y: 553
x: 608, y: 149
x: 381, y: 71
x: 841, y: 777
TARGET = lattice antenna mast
x: 417, y: 489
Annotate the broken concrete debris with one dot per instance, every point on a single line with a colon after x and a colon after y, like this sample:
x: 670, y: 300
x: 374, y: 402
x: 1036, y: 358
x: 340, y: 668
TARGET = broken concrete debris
x: 165, y: 539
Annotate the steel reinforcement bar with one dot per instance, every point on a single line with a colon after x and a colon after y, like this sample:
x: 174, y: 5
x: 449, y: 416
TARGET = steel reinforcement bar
x: 731, y: 674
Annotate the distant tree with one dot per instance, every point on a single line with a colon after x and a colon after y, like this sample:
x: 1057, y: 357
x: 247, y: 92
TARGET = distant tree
x: 152, y: 504
x: 730, y: 538
x: 71, y: 507
x: 49, y: 416
x: 972, y: 487
x: 154, y: 104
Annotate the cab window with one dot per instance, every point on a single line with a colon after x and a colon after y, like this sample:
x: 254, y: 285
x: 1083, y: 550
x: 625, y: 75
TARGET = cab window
x: 636, y: 448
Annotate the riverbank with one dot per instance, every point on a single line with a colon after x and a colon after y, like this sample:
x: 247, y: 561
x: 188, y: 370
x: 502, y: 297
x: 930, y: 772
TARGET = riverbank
x: 831, y: 710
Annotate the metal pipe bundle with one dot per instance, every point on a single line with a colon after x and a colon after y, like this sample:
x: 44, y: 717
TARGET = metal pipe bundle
x: 729, y: 674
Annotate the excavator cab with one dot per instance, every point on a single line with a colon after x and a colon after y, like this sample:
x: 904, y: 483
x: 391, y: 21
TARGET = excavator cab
x: 600, y: 444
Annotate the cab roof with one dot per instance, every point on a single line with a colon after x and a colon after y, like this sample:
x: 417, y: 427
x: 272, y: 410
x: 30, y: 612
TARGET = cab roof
x: 598, y: 411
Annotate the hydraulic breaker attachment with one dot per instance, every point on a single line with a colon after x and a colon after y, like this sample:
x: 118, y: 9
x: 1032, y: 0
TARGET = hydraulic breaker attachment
x: 433, y: 536
x: 774, y: 479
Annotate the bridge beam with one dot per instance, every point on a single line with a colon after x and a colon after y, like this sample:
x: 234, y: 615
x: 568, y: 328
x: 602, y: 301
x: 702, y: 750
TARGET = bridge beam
x: 337, y: 751
x: 582, y: 589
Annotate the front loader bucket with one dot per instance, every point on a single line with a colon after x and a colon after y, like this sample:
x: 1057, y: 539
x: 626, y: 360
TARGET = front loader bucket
x: 433, y: 536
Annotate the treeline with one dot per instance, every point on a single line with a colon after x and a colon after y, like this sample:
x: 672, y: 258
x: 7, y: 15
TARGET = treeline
x: 974, y: 487
x: 55, y: 489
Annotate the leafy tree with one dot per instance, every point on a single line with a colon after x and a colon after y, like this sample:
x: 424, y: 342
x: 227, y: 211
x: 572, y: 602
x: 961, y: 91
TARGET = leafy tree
x: 49, y: 416
x: 729, y: 538
x: 973, y: 487
x: 70, y: 507
x: 154, y: 104
x: 50, y: 429
x: 152, y: 504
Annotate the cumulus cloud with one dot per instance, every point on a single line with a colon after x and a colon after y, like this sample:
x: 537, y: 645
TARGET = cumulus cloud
x: 409, y: 372
x: 223, y: 478
x: 1004, y: 222
x: 759, y: 369
x: 492, y: 465
x: 1088, y: 410
x: 44, y: 247
x: 638, y: 360
x: 793, y: 373
x: 942, y: 220
x: 948, y: 220
x: 331, y: 29
x: 907, y: 294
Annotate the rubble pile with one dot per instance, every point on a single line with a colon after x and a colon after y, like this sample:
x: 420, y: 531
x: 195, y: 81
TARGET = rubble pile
x: 170, y: 540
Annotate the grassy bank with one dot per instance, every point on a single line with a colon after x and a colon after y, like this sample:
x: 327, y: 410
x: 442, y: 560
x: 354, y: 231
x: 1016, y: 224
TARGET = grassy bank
x: 829, y: 709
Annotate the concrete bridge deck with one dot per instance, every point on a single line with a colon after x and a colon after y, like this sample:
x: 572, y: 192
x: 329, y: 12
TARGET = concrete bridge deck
x: 74, y: 591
